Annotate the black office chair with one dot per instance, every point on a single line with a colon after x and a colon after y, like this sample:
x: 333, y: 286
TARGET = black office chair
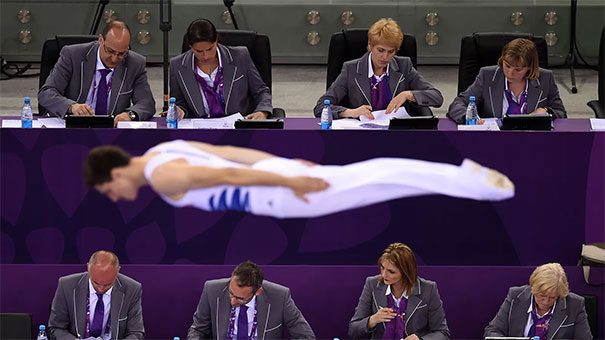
x: 592, y: 313
x: 598, y: 106
x: 50, y: 54
x: 484, y: 49
x: 15, y: 326
x: 258, y: 46
x: 351, y: 44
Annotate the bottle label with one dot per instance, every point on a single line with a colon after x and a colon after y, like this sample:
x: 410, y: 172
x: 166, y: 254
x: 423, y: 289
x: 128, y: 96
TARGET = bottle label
x: 26, y: 123
x: 172, y: 124
x: 326, y: 125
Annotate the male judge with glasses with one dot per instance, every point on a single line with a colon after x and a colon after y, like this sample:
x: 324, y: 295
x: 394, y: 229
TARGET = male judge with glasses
x: 246, y: 307
x: 100, y: 78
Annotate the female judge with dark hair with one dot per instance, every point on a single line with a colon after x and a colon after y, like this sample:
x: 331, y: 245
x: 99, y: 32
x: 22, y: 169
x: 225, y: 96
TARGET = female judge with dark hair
x: 212, y: 80
x: 517, y: 85
x: 397, y: 304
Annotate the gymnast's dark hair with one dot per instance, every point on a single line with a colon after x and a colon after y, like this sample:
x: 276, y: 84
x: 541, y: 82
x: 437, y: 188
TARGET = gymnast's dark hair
x: 101, y: 160
x: 201, y: 30
x: 248, y: 274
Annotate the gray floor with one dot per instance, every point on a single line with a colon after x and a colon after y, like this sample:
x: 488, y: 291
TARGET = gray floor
x: 296, y: 88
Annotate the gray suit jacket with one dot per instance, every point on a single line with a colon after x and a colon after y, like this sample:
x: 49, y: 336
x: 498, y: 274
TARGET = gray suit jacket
x: 68, y: 312
x: 353, y: 82
x: 424, y: 314
x: 568, y: 321
x: 70, y: 81
x: 276, y: 313
x: 244, y: 89
x: 488, y: 90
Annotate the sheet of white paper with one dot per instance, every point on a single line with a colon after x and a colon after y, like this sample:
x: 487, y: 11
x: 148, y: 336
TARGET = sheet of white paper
x: 52, y: 122
x: 381, y: 119
x: 137, y: 125
x: 346, y: 123
x: 186, y: 123
x: 216, y: 123
x: 16, y: 123
x: 597, y: 124
x: 490, y: 124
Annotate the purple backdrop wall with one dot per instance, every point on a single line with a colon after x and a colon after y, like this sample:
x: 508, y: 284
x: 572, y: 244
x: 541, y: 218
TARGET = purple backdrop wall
x: 49, y: 216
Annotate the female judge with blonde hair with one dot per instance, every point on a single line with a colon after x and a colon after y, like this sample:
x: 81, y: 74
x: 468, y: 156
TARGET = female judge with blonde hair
x: 379, y: 80
x: 544, y: 308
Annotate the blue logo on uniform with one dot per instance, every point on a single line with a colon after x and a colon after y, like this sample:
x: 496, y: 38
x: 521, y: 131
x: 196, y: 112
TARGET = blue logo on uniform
x: 237, y: 203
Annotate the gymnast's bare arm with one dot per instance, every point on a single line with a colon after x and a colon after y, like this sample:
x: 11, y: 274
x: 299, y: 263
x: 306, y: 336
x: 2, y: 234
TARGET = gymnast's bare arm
x: 233, y: 153
x: 192, y: 177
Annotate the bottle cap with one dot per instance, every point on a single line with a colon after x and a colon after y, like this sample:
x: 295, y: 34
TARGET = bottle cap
x: 472, y: 98
x: 327, y: 102
x: 172, y: 99
x: 27, y: 99
x: 42, y: 327
x: 176, y: 338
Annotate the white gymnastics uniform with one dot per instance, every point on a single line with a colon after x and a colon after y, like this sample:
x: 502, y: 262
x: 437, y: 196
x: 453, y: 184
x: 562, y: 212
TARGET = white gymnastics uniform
x: 351, y: 186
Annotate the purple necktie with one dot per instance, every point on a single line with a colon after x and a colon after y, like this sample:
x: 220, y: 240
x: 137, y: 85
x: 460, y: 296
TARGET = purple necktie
x: 242, y: 323
x: 102, y: 93
x: 97, y: 320
x: 381, y: 92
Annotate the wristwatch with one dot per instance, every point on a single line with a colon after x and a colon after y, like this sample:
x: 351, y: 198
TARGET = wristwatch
x: 133, y: 115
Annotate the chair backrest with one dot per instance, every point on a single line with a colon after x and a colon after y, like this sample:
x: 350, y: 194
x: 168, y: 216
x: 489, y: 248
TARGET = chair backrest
x: 50, y: 54
x: 258, y: 46
x: 352, y: 43
x: 484, y: 49
x: 592, y: 310
x: 15, y: 326
x: 601, y: 85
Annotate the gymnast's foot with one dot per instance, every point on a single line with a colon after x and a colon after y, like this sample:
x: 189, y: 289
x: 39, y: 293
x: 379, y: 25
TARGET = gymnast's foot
x: 489, y: 184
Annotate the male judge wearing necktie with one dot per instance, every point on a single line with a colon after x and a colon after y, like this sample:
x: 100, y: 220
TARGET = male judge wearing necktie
x: 99, y: 303
x: 100, y: 78
x: 246, y: 307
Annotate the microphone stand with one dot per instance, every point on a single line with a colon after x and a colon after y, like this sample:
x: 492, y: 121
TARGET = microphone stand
x: 571, y: 60
x: 229, y: 4
x: 165, y: 26
x: 98, y: 14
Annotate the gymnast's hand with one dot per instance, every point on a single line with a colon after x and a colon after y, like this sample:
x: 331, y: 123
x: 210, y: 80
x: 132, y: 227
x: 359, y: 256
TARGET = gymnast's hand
x: 302, y: 185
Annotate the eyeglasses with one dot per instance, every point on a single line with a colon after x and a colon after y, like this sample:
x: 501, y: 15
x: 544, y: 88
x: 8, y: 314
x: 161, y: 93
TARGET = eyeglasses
x: 241, y: 299
x: 114, y: 53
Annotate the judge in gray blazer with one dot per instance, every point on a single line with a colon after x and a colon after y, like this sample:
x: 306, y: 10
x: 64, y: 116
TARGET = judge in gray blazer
x: 212, y: 80
x: 83, y: 71
x: 544, y: 308
x: 397, y: 304
x: 255, y: 306
x: 76, y: 311
x: 517, y: 85
x: 378, y: 80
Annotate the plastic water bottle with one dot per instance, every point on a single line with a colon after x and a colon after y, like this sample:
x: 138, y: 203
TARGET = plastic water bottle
x: 326, y: 116
x: 26, y: 114
x: 471, y: 112
x: 42, y: 333
x: 172, y: 116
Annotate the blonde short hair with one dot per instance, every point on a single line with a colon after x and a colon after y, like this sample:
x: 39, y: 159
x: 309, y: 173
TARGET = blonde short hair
x: 385, y: 31
x: 522, y: 52
x: 549, y: 278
